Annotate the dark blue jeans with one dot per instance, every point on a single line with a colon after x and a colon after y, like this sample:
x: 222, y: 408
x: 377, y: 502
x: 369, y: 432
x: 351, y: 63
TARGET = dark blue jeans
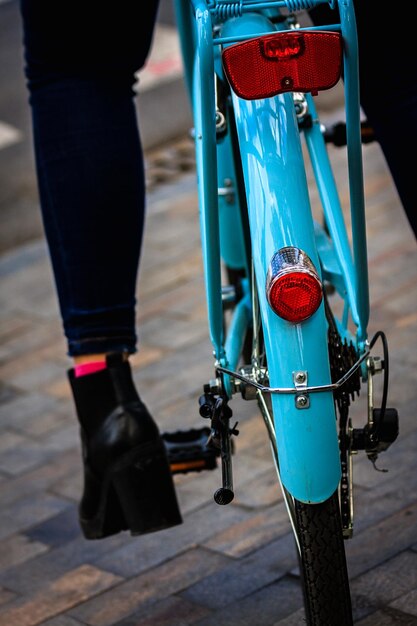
x: 80, y: 63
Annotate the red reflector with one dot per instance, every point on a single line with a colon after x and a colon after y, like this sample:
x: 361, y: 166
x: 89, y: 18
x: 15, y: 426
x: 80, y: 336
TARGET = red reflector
x: 295, y: 296
x: 266, y: 66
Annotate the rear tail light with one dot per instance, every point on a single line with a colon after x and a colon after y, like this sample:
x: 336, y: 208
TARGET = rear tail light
x: 293, y: 287
x: 295, y: 61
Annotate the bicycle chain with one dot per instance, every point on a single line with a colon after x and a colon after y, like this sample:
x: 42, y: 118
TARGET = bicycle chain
x: 343, y: 356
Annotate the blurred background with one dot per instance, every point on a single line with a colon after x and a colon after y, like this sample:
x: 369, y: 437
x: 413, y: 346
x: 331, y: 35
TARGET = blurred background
x: 160, y: 86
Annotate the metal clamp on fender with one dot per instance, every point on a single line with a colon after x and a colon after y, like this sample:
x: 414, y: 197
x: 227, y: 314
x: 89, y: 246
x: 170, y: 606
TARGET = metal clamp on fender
x: 296, y: 390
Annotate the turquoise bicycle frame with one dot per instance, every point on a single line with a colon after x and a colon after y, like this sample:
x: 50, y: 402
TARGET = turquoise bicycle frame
x: 279, y: 215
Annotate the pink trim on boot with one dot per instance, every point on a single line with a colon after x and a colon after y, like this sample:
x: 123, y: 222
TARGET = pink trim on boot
x: 89, y: 368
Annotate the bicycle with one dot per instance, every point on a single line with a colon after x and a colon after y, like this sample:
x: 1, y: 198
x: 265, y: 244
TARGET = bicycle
x: 252, y: 72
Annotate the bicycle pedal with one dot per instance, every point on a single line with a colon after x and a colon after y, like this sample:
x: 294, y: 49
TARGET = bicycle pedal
x: 336, y: 134
x: 189, y: 451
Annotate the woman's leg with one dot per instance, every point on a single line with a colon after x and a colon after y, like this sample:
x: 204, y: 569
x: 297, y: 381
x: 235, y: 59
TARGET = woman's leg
x: 81, y: 58
x: 388, y: 88
x: 389, y: 95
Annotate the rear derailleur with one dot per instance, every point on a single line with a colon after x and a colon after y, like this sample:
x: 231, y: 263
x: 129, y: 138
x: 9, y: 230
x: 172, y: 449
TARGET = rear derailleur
x: 382, y: 427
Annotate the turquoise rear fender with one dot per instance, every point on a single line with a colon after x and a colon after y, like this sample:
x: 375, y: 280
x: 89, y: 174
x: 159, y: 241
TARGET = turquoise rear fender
x: 279, y: 216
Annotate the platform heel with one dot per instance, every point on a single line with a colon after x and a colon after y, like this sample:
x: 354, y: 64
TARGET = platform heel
x: 146, y: 494
x: 128, y: 484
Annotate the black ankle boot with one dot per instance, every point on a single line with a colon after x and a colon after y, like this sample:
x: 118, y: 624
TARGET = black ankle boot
x: 128, y: 483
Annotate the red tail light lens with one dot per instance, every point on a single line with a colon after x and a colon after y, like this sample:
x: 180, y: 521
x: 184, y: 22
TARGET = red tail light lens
x: 296, y: 61
x: 282, y: 48
x: 294, y: 289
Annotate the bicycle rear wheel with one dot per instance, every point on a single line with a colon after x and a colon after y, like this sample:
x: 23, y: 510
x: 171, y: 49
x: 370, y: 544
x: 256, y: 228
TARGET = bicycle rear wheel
x: 317, y: 530
x: 323, y: 563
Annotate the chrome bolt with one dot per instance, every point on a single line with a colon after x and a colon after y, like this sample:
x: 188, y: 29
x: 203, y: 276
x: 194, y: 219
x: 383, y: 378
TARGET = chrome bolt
x: 300, y: 378
x: 302, y: 402
x: 215, y: 385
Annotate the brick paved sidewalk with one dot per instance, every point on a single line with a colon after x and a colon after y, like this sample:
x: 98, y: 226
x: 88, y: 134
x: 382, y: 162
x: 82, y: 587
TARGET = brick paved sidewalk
x: 228, y: 566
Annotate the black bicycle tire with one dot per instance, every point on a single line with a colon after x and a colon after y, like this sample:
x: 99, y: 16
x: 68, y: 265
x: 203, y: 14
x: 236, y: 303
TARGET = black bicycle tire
x: 323, y: 565
x: 322, y: 561
x: 322, y: 558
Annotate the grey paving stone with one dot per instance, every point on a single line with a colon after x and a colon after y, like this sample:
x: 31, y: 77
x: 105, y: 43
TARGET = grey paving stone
x: 57, y: 530
x: 388, y: 617
x: 10, y: 440
x: 383, y: 584
x: 22, y: 257
x: 167, y: 579
x: 25, y: 408
x: 62, y: 439
x: 36, y: 377
x: 244, y: 576
x: 40, y: 479
x: 297, y: 618
x: 70, y: 486
x: 170, y: 611
x: 6, y: 596
x: 39, y: 334
x: 7, y: 393
x: 262, y: 608
x: 389, y: 537
x: 74, y: 587
x: 19, y: 549
x: 164, y: 331
x: 29, y: 511
x: 42, y: 571
x: 62, y: 620
x: 375, y: 504
x: 27, y: 456
x: 407, y: 603
x: 250, y: 534
x: 151, y: 550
